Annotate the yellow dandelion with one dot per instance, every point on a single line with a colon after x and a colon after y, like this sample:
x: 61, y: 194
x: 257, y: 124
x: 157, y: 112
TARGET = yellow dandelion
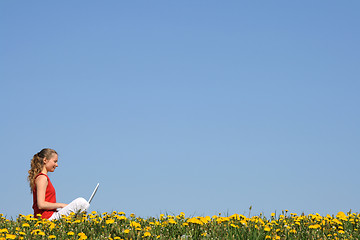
x: 35, y: 231
x: 10, y: 236
x: 110, y: 221
x: 52, y: 226
x: 195, y: 221
x: 82, y: 235
x: 25, y: 225
x: 341, y: 216
x: 121, y: 217
x: 135, y: 224
x: 52, y: 237
x: 314, y: 226
x: 172, y: 221
x: 147, y: 234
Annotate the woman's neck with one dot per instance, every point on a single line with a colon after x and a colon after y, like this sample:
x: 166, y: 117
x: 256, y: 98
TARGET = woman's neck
x: 44, y: 171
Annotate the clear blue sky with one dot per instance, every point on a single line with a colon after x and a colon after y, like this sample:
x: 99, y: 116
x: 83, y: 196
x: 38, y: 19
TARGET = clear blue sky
x: 194, y: 106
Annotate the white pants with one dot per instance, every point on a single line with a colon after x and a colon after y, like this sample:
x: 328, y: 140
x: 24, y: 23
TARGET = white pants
x: 78, y: 205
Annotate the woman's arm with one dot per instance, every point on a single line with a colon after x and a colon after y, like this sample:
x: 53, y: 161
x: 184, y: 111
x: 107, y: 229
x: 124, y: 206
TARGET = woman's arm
x: 41, y: 183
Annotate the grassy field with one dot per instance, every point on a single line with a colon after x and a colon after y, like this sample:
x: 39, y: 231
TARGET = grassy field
x: 117, y: 225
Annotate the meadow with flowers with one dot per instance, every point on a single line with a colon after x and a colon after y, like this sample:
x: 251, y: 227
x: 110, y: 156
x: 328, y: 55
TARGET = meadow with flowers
x: 117, y: 225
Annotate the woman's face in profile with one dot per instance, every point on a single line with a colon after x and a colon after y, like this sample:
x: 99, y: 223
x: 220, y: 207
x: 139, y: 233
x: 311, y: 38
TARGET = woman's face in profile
x: 51, y: 164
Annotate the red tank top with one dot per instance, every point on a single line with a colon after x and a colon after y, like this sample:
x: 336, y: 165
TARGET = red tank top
x: 50, y: 196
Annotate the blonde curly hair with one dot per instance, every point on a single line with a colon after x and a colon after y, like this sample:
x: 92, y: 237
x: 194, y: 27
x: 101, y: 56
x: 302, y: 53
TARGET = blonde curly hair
x: 37, y: 164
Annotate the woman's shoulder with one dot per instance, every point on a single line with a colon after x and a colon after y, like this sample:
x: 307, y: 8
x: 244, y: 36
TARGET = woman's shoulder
x: 41, y: 177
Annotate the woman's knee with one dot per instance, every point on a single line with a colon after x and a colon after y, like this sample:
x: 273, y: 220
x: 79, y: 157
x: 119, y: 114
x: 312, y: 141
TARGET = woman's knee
x: 82, y: 202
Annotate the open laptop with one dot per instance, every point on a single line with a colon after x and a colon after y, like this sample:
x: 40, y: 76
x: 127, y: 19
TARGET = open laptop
x: 91, y: 197
x: 93, y: 194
